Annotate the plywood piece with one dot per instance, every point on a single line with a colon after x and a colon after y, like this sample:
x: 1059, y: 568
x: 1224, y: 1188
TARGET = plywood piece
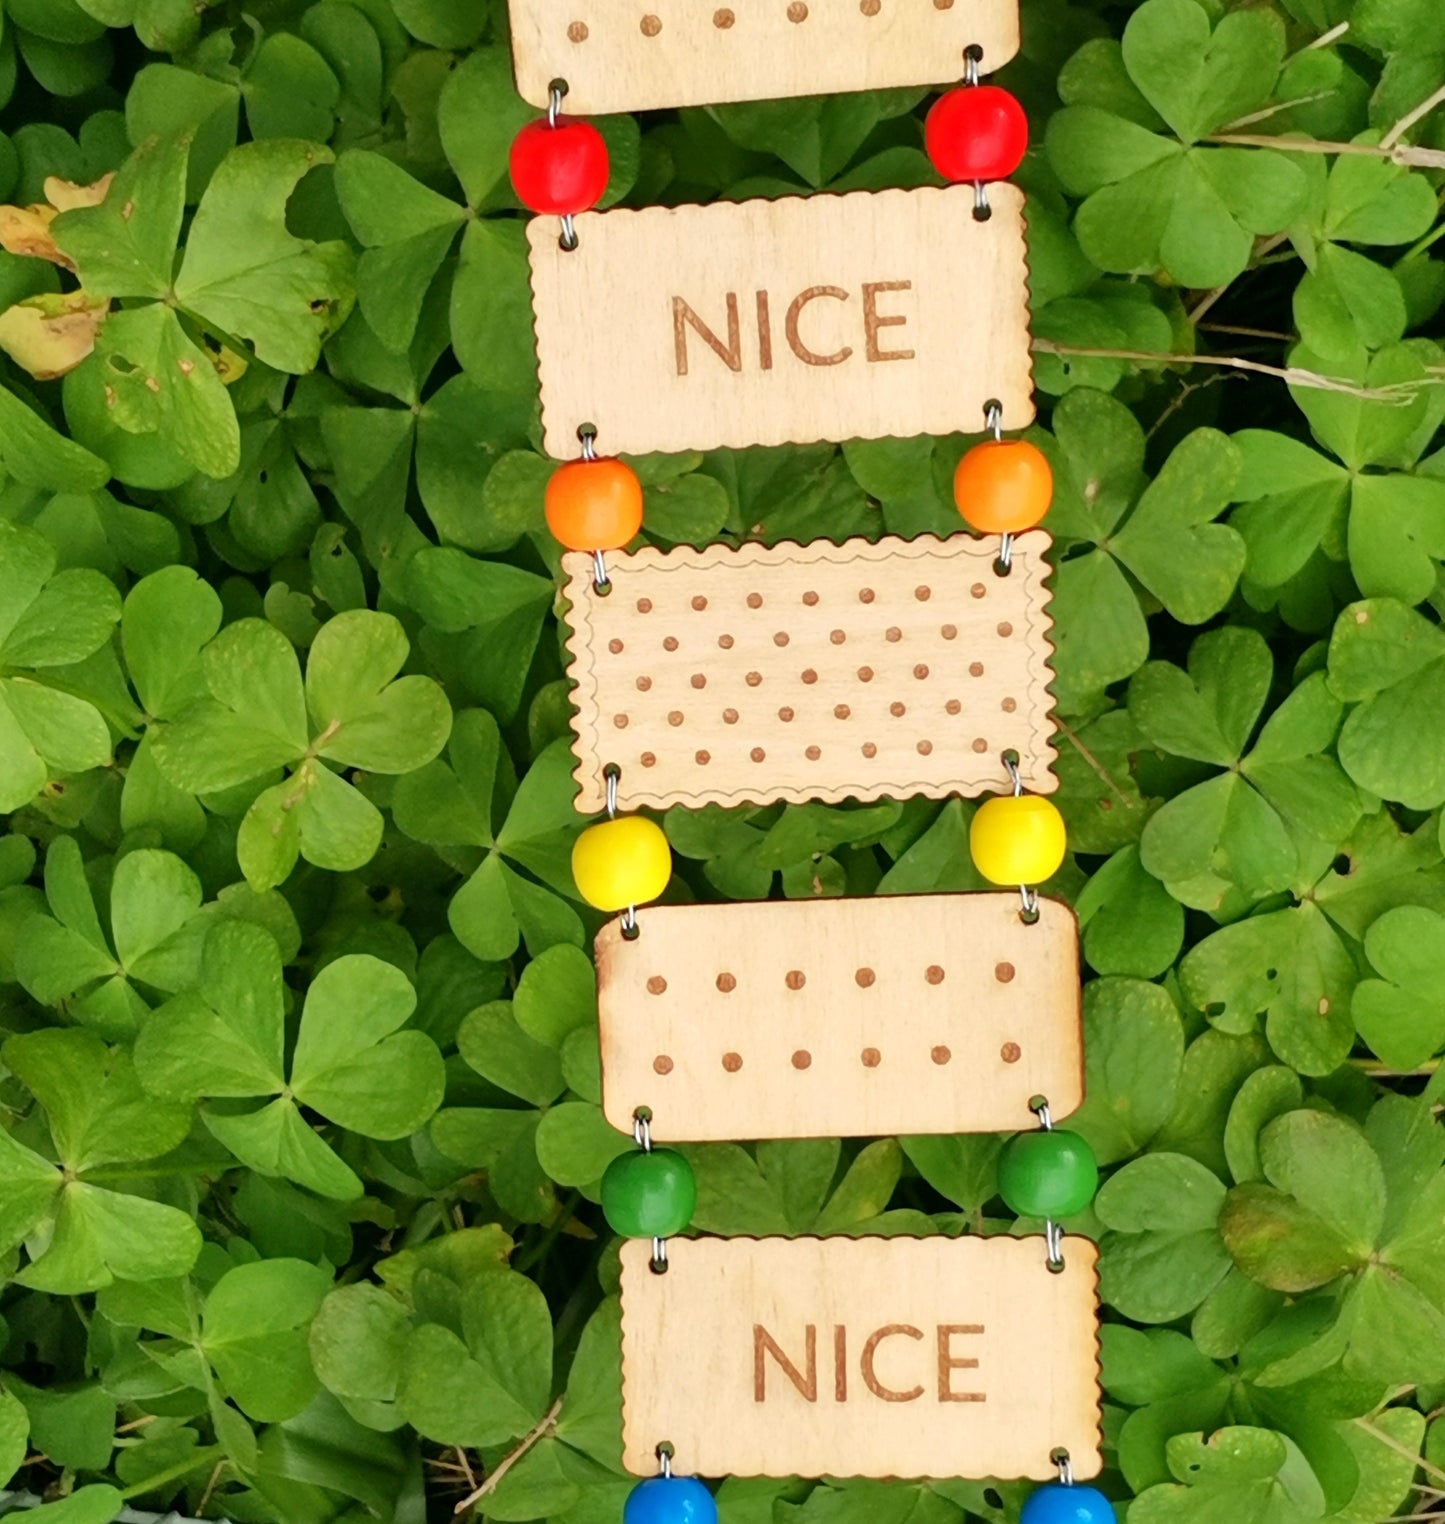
x: 861, y: 316
x: 866, y: 670
x: 911, y: 1357
x: 658, y: 53
x: 828, y: 1018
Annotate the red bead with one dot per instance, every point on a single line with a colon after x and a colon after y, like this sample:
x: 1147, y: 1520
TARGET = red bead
x: 561, y: 169
x: 978, y: 132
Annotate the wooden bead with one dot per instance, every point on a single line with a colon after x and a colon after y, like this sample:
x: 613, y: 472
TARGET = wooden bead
x: 594, y: 504
x: 977, y: 132
x: 1017, y: 840
x: 1003, y: 486
x: 621, y: 862
x: 561, y: 168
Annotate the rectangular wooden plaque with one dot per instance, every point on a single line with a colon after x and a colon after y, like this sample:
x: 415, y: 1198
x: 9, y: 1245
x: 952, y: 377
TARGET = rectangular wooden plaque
x: 909, y: 1357
x: 861, y: 316
x: 660, y: 53
x: 832, y: 1018
x: 864, y: 670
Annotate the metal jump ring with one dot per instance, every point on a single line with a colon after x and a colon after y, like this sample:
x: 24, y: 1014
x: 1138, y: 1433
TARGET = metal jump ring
x: 613, y: 775
x: 555, y: 93
x: 982, y: 211
x: 630, y: 928
x: 1054, y: 1245
x: 971, y: 56
x: 1045, y: 1116
x: 664, y: 1461
x: 601, y: 582
x: 642, y: 1131
x: 659, y: 1264
x: 1029, y: 903
x: 1011, y: 767
x: 1066, y: 1468
x: 568, y: 239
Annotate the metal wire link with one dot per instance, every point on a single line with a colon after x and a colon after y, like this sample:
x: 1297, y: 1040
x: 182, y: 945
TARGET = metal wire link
x: 664, y: 1461
x: 1066, y: 1468
x: 1028, y: 896
x: 613, y: 775
x: 1045, y: 1116
x: 554, y: 101
x: 642, y: 1131
x: 982, y: 210
x: 971, y: 56
x: 659, y: 1256
x: 993, y: 420
x: 1053, y: 1231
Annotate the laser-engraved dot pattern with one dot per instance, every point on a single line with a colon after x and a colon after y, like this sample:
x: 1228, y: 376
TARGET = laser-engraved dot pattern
x: 802, y: 1059
x: 1010, y: 1053
x: 662, y: 1064
x: 871, y: 1058
x: 940, y: 1054
x: 933, y: 973
x: 685, y: 674
x: 1004, y: 972
x: 732, y: 1062
x: 577, y: 31
x: 657, y: 985
x: 796, y: 979
x: 726, y: 983
x: 797, y: 11
x: 758, y: 754
x: 722, y: 20
x: 865, y: 978
x: 651, y: 26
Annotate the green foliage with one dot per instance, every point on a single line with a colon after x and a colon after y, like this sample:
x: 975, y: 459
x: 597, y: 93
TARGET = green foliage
x: 300, y: 1128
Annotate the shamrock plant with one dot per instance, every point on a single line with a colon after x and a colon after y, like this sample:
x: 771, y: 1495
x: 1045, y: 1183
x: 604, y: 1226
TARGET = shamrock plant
x: 1170, y: 200
x: 257, y: 717
x: 78, y: 1232
x: 49, y: 620
x: 224, y: 1041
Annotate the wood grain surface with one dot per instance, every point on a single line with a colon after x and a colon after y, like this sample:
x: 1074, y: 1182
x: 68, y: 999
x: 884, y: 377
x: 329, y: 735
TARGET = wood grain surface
x: 907, y: 1357
x: 829, y: 1018
x: 658, y: 53
x: 857, y: 316
x: 866, y: 670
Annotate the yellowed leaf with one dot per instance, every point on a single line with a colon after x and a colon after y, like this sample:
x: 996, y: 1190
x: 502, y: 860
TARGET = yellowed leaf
x: 66, y: 195
x: 26, y: 230
x: 230, y: 366
x: 49, y: 335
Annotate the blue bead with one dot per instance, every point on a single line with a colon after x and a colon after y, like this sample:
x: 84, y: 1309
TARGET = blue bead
x: 669, y: 1500
x: 1057, y: 1504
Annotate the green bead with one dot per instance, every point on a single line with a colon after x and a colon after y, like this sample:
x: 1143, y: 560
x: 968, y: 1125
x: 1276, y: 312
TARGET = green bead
x: 1047, y: 1174
x: 649, y: 1195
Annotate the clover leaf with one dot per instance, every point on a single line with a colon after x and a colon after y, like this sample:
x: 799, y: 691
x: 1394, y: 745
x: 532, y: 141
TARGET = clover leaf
x: 458, y: 803
x: 1152, y: 201
x: 1114, y: 528
x: 1401, y: 1014
x: 79, y: 1234
x: 49, y: 619
x: 1247, y: 831
x: 1163, y: 1254
x: 257, y: 717
x: 1388, y: 663
x: 1239, y: 1472
x: 224, y: 1041
x: 1357, y: 1206
x: 154, y: 940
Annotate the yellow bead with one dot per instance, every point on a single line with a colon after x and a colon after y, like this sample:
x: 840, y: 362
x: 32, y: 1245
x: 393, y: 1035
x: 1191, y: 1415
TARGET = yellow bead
x: 1017, y: 840
x: 621, y: 862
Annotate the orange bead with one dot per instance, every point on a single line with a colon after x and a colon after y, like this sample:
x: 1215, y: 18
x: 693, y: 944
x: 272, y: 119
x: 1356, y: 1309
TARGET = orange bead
x: 1003, y: 486
x: 594, y: 504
